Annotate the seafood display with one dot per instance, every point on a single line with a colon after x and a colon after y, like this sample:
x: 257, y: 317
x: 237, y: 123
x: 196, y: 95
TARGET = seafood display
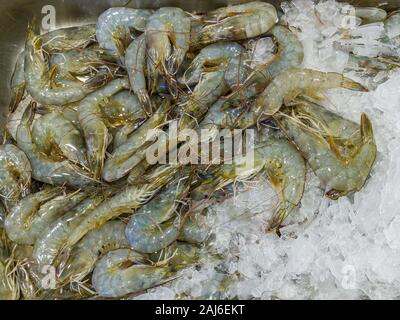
x: 79, y: 194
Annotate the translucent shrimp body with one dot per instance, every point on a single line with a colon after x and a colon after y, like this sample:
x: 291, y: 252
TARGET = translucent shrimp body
x: 15, y: 174
x: 217, y: 55
x: 133, y: 197
x: 293, y: 82
x: 71, y: 38
x: 80, y: 62
x: 92, y: 124
x: 14, y: 119
x: 179, y: 255
x: 122, y: 108
x: 37, y: 78
x: 135, y: 62
x: 83, y: 257
x: 33, y: 214
x: 167, y: 38
x: 211, y: 87
x: 227, y: 74
x: 122, y: 134
x: 194, y: 229
x: 130, y: 153
x: 341, y: 175
x: 151, y: 228
x: 290, y: 54
x: 54, y: 132
x: 237, y: 22
x: 44, y: 168
x: 283, y: 165
x: 114, y: 25
x: 343, y: 135
x: 123, y: 271
x: 50, y: 242
x: 370, y: 14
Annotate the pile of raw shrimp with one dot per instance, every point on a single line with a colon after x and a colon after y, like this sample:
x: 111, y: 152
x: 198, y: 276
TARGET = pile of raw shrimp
x: 83, y: 212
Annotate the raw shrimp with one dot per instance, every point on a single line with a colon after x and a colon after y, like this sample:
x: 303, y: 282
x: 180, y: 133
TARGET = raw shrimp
x: 213, y: 84
x: 370, y: 14
x: 71, y: 38
x: 14, y: 119
x: 370, y: 67
x: 343, y: 135
x: 237, y: 22
x: 15, y: 174
x: 124, y: 271
x: 30, y: 276
x: 69, y: 112
x: 167, y: 38
x: 114, y: 25
x: 122, y: 108
x: 34, y: 213
x: 38, y: 82
x: 156, y: 225
x: 283, y: 164
x: 211, y: 87
x: 194, y: 229
x: 83, y: 257
x: 92, y: 124
x: 9, y: 288
x: 49, y: 243
x: 53, y: 133
x: 286, y: 171
x: 17, y: 83
x: 290, y: 54
x: 138, y: 171
x: 122, y: 134
x: 341, y: 176
x: 135, y: 63
x: 180, y: 39
x: 216, y: 118
x: 289, y: 84
x: 178, y: 255
x: 129, y: 154
x: 214, y: 57
x: 133, y: 197
x: 45, y: 169
x: 81, y: 62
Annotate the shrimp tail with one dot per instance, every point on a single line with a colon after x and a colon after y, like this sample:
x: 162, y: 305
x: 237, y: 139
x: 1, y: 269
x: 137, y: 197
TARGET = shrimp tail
x: 277, y: 219
x: 367, y: 132
x: 29, y: 114
x: 17, y: 97
x: 353, y: 85
x: 97, y: 81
